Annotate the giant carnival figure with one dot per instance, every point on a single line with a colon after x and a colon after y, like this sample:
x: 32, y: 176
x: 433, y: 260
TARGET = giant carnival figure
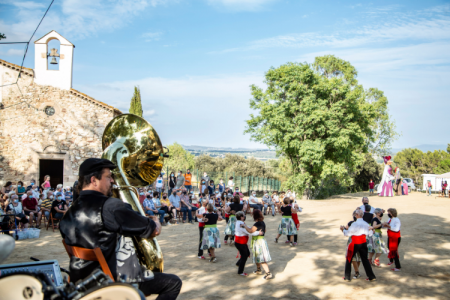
x: 385, y: 187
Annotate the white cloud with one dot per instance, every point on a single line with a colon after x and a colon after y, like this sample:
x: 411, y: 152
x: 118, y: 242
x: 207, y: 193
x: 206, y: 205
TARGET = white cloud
x: 13, y: 52
x: 150, y: 112
x: 152, y: 36
x: 240, y: 5
x: 189, y: 110
x: 74, y: 18
x: 426, y: 25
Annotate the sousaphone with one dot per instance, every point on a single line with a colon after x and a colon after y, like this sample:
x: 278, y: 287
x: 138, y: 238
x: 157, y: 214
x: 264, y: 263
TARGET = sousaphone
x: 133, y: 145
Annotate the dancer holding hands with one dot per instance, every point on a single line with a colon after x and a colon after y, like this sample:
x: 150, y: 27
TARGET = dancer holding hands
x: 260, y: 249
x: 287, y: 225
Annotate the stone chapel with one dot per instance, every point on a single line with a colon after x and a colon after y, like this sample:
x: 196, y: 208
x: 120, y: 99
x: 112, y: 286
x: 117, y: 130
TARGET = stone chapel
x: 46, y: 126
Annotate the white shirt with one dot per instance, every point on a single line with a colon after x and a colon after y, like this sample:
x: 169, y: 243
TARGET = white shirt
x: 201, y: 211
x: 359, y: 227
x: 253, y: 200
x: 230, y: 184
x: 363, y: 208
x: 159, y: 182
x: 241, y: 231
x: 395, y: 224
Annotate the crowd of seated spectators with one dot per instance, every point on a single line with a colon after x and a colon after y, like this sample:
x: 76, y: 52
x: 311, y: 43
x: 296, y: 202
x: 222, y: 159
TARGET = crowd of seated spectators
x: 24, y: 206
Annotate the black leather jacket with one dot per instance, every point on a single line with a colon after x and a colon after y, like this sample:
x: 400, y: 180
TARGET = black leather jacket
x: 95, y: 220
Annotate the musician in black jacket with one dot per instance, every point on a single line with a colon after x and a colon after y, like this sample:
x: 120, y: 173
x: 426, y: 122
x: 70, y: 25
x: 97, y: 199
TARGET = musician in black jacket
x: 97, y: 220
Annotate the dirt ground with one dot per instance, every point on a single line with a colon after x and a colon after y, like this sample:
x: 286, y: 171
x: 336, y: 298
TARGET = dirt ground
x: 312, y: 270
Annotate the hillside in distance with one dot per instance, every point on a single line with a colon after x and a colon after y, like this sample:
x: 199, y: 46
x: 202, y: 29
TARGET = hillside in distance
x: 260, y: 154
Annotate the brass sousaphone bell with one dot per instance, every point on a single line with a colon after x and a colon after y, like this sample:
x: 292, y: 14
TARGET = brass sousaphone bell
x: 133, y: 145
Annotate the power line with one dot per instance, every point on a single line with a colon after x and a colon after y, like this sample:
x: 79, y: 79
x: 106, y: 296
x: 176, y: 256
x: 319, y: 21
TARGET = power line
x: 27, y: 44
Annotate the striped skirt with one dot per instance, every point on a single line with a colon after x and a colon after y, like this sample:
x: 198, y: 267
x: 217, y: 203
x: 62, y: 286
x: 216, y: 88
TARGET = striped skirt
x: 211, y: 238
x: 287, y: 227
x: 231, y: 225
x: 260, y: 251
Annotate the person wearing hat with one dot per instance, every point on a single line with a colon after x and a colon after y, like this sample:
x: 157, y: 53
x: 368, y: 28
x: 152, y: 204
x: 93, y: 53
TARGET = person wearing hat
x: 96, y: 219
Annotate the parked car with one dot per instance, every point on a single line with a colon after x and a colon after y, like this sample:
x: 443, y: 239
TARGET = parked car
x: 410, y: 184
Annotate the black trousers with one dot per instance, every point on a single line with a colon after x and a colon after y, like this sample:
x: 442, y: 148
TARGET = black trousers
x: 167, y: 286
x: 396, y: 259
x: 200, y: 250
x: 295, y: 238
x: 245, y: 253
x: 363, y: 252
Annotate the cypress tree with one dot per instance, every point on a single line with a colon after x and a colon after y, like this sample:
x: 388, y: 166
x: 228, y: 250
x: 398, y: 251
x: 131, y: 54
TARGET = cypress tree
x: 136, y: 106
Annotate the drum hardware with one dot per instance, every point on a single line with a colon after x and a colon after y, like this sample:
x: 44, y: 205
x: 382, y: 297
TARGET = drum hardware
x: 7, y: 244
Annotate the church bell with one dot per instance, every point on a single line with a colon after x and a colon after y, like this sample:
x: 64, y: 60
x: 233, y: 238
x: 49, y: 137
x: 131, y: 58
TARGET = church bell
x: 53, y: 62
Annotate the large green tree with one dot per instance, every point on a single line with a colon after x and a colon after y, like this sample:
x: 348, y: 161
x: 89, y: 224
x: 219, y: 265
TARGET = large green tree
x: 318, y: 118
x: 367, y: 171
x: 136, y: 105
x: 383, y: 126
x: 179, y: 159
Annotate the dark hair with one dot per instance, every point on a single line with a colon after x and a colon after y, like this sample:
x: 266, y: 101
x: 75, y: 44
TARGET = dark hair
x: 231, y: 178
x: 8, y: 184
x: 257, y: 215
x: 236, y: 199
x: 367, y: 207
x: 85, y: 180
x: 203, y: 194
x: 286, y: 200
x: 20, y: 183
x: 155, y: 194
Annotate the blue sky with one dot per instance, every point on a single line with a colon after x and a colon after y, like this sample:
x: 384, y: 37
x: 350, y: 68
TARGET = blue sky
x: 194, y: 60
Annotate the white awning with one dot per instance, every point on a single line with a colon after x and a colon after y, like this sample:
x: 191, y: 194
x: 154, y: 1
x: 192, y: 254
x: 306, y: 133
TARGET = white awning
x: 445, y: 175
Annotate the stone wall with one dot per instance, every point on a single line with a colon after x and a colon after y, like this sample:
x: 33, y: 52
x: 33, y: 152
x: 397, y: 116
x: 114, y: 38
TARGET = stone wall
x: 28, y: 134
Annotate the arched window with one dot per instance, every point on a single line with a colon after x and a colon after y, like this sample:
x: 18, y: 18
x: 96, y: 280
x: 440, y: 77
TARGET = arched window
x: 53, y: 44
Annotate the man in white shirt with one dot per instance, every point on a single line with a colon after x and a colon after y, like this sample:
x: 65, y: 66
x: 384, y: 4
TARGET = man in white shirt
x: 358, y: 231
x: 365, y: 201
x: 254, y: 202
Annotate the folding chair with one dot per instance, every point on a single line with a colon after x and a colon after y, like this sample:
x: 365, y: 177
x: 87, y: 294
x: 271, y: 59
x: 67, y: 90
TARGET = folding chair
x: 89, y: 254
x: 53, y: 221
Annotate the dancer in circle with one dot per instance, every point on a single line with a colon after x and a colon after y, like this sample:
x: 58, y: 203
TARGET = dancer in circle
x: 295, y: 219
x: 201, y: 227
x: 241, y: 240
x: 375, y: 243
x: 358, y: 232
x: 260, y: 249
x: 394, y: 238
x: 287, y: 225
x: 356, y: 260
x: 211, y: 235
x: 232, y: 209
x: 385, y: 187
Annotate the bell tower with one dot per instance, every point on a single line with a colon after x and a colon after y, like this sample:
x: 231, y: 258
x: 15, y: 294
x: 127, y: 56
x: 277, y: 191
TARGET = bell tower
x: 60, y: 77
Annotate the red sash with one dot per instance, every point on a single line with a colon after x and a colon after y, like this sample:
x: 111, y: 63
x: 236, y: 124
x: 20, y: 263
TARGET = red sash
x: 227, y: 215
x: 393, y: 243
x: 356, y: 240
x: 241, y: 239
x: 201, y: 224
x: 295, y: 219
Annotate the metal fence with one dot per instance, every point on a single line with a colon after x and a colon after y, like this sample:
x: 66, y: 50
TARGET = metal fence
x: 246, y: 184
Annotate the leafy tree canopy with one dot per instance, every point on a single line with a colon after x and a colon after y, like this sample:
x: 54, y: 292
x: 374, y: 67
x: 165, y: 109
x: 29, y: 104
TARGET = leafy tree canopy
x: 413, y: 163
x: 318, y: 117
x: 179, y: 159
